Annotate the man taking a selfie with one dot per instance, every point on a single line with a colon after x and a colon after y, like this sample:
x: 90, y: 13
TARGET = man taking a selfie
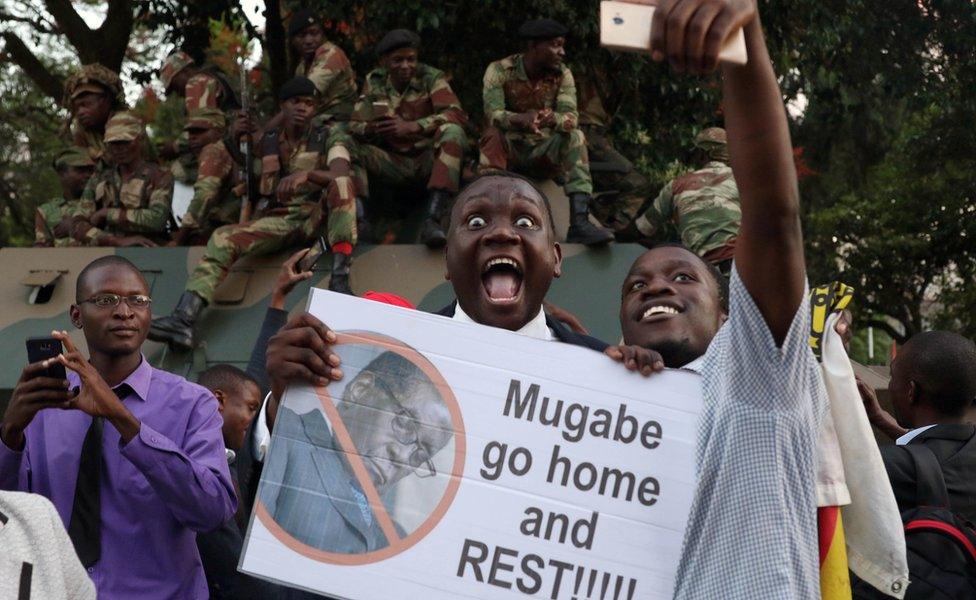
x: 133, y: 457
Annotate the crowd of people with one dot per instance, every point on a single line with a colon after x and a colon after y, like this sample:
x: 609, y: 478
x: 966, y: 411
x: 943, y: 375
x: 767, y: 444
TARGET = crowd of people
x: 154, y: 477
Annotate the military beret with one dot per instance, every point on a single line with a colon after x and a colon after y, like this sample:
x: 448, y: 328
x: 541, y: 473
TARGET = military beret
x: 123, y: 126
x: 94, y: 78
x: 74, y: 156
x: 396, y: 39
x: 175, y: 63
x: 205, y: 118
x: 542, y: 29
x: 297, y: 86
x: 300, y: 20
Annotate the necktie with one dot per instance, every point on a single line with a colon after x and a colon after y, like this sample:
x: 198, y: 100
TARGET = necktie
x: 86, y: 511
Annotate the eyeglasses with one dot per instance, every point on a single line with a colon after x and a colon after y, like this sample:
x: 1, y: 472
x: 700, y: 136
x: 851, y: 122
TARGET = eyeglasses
x: 113, y: 300
x: 406, y: 430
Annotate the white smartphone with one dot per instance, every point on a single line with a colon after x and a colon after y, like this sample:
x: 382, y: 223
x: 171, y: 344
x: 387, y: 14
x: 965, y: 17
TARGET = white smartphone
x: 626, y: 26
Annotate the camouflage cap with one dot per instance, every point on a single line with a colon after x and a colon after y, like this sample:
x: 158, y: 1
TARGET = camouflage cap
x: 123, y: 126
x: 714, y: 142
x: 74, y: 156
x: 175, y: 63
x: 94, y: 78
x: 205, y: 118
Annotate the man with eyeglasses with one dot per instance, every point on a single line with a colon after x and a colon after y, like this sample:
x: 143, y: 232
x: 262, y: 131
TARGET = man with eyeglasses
x: 396, y: 421
x: 133, y: 459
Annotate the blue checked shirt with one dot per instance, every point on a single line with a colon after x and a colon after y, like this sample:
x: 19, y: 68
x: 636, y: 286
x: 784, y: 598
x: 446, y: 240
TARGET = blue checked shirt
x: 752, y: 530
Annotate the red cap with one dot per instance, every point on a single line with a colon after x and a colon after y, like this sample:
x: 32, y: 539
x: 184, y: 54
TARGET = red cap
x: 386, y: 298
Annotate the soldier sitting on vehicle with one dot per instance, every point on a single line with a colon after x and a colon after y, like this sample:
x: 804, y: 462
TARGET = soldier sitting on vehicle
x: 530, y: 105
x: 700, y: 209
x: 407, y: 129
x: 128, y: 203
x: 93, y: 94
x: 296, y: 170
x: 52, y: 220
x: 214, y: 202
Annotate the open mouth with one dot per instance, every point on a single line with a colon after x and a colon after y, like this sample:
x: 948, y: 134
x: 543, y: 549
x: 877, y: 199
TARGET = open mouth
x: 502, y: 280
x: 658, y: 312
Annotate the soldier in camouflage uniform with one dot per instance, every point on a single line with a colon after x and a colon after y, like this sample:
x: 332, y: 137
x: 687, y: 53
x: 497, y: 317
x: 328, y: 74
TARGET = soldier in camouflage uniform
x: 419, y: 139
x: 201, y: 88
x: 52, y: 220
x: 530, y: 104
x: 129, y: 202
x: 325, y: 64
x: 295, y: 175
x: 215, y: 201
x: 621, y: 190
x: 93, y: 94
x: 701, y: 208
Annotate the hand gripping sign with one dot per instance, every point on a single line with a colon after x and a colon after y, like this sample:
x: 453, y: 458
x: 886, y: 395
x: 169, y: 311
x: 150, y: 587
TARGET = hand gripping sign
x: 461, y: 461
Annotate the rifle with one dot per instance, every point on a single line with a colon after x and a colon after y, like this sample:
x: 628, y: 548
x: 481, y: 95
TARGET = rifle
x: 245, y: 148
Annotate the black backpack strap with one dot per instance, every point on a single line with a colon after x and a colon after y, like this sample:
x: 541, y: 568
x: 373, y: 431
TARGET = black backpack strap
x: 930, y: 486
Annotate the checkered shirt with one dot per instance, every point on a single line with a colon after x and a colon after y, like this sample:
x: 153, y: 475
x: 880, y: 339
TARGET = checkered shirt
x: 752, y: 530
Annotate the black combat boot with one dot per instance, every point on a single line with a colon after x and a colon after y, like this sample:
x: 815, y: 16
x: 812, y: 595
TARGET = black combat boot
x: 177, y: 329
x: 432, y: 234
x: 581, y: 231
x: 339, y: 281
x: 362, y: 224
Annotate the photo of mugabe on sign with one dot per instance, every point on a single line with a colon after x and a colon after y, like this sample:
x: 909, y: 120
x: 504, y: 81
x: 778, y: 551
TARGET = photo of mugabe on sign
x: 353, y: 444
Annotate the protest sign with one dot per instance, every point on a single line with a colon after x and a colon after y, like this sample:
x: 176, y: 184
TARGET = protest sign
x: 460, y: 461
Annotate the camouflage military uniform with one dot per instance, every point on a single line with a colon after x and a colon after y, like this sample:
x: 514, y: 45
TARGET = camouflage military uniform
x: 98, y: 79
x: 556, y: 151
x: 701, y: 208
x: 214, y: 202
x: 48, y: 216
x: 140, y: 205
x: 297, y: 222
x: 335, y: 81
x: 433, y: 157
x: 621, y: 190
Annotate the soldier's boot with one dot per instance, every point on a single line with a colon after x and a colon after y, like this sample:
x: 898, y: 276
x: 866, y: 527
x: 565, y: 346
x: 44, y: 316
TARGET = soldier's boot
x: 339, y: 281
x: 362, y: 224
x: 581, y: 231
x: 439, y: 204
x: 177, y: 328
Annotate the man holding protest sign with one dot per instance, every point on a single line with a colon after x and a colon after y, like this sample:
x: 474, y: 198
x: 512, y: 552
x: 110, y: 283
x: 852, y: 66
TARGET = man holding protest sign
x: 752, y: 530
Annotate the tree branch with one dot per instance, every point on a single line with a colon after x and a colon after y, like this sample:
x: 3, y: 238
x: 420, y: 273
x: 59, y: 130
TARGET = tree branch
x: 18, y: 51
x: 114, y: 33
x: 73, y: 26
x: 34, y: 23
x: 885, y: 326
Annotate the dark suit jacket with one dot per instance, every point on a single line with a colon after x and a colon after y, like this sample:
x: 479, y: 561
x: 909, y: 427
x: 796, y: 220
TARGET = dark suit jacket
x: 561, y: 331
x: 311, y: 493
x: 955, y: 448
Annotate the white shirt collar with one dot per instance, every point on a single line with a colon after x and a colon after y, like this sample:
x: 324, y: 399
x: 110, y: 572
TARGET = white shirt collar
x: 695, y: 366
x: 911, y: 435
x: 536, y: 328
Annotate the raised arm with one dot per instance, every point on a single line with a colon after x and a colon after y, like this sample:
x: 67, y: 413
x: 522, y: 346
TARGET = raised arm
x: 769, y: 250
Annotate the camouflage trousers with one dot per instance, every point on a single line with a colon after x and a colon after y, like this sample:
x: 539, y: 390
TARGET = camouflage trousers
x: 561, y: 154
x: 621, y: 191
x: 439, y: 167
x: 340, y: 198
x: 279, y: 229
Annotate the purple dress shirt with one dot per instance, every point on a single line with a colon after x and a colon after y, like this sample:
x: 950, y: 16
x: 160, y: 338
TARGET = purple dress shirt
x: 170, y: 481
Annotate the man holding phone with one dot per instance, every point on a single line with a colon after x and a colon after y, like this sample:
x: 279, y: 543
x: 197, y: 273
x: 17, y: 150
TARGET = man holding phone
x: 408, y: 129
x: 133, y: 460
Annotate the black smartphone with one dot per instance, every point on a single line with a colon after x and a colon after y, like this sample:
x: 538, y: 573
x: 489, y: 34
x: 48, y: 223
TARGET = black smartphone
x: 43, y: 348
x: 307, y: 263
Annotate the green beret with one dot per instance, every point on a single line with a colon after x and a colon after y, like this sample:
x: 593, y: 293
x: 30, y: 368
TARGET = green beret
x: 297, y: 86
x: 542, y: 29
x: 396, y: 39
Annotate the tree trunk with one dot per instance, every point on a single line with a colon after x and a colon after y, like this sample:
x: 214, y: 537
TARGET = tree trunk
x: 276, y: 43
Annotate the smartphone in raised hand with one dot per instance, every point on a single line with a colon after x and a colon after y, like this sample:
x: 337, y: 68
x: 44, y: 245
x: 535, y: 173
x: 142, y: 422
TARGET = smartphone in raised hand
x: 307, y: 263
x: 45, y: 347
x: 626, y: 26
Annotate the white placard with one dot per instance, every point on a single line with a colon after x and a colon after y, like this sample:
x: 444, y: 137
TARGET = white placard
x: 530, y: 469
